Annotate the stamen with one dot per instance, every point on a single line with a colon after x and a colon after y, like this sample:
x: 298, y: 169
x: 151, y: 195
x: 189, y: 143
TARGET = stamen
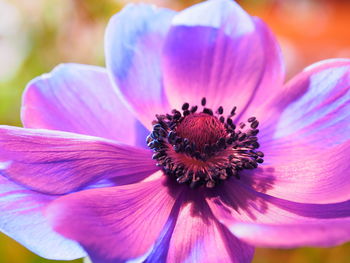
x: 203, y: 148
x: 255, y: 124
x: 251, y: 119
x: 220, y: 110
x: 194, y: 109
x: 233, y: 111
x: 185, y: 106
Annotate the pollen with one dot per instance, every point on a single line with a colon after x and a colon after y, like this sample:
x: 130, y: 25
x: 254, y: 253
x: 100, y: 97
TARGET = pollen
x: 204, y: 148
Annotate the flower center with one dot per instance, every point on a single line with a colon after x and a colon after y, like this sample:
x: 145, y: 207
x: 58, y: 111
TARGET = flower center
x: 201, y: 129
x: 203, y: 148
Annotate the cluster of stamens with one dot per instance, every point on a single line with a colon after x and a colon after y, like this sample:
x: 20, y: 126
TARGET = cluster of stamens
x: 204, y: 148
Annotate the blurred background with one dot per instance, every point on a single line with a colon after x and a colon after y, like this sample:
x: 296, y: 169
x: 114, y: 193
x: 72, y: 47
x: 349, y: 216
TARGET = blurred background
x: 36, y: 35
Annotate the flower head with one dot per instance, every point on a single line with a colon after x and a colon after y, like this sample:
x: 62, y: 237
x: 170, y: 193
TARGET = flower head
x: 188, y: 147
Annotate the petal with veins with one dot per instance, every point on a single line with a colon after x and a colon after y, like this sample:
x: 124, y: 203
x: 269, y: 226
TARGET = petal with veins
x: 134, y: 39
x: 22, y: 219
x: 57, y: 163
x: 216, y: 50
x: 123, y: 222
x: 198, y: 237
x: 81, y: 99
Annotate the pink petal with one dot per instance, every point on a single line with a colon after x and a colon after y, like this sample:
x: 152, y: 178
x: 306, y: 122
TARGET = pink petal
x: 236, y: 201
x: 327, y: 233
x: 160, y: 249
x: 58, y: 163
x: 322, y: 114
x: 304, y: 173
x: 114, y: 224
x: 215, y: 49
x: 78, y: 98
x: 291, y: 223
x: 313, y: 107
x: 306, y: 151
x: 198, y: 237
x: 134, y: 40
x: 22, y: 219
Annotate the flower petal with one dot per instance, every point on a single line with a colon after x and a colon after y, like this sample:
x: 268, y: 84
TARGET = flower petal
x: 327, y: 233
x: 312, y: 107
x: 160, y: 249
x: 216, y: 50
x: 198, y: 237
x: 304, y: 173
x: 239, y: 201
x: 306, y: 151
x: 272, y: 80
x: 280, y: 223
x: 57, y: 162
x: 81, y: 99
x: 134, y: 40
x: 22, y: 219
x: 322, y: 114
x: 114, y: 224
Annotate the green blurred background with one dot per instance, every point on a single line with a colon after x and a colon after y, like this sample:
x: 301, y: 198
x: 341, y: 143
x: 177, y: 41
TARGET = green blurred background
x: 36, y: 35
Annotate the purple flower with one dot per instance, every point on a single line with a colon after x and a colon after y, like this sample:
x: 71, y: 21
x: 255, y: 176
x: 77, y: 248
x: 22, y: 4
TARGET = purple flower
x: 242, y: 161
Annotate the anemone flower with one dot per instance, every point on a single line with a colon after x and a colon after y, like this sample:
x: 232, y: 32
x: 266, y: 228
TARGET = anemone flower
x: 186, y: 148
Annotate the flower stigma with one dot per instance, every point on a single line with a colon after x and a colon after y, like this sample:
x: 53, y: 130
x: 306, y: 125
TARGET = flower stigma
x: 204, y: 148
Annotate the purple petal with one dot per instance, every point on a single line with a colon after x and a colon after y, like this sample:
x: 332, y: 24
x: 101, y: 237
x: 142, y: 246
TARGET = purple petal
x: 160, y: 249
x: 22, y: 219
x: 307, y: 154
x: 304, y: 173
x: 134, y: 40
x: 315, y: 105
x: 114, y: 224
x: 81, y: 99
x: 238, y: 202
x: 324, y: 110
x: 198, y: 237
x: 57, y: 163
x: 215, y: 49
x: 323, y: 234
x: 298, y: 224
